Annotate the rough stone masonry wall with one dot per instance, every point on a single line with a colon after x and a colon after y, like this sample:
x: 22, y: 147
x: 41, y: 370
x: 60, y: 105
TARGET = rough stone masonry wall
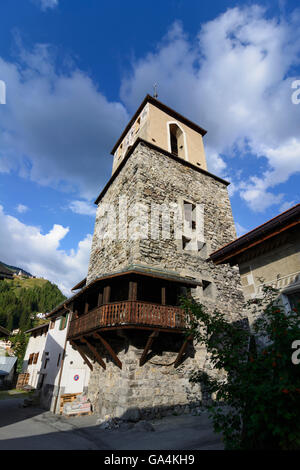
x: 156, y: 389
x: 150, y: 176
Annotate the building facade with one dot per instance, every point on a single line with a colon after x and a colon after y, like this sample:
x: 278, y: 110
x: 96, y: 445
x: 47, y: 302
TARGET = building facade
x: 54, y: 367
x: 268, y: 255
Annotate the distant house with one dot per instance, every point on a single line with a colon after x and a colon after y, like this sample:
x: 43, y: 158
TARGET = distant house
x: 8, y: 367
x: 41, y: 315
x: 5, y: 273
x: 268, y: 255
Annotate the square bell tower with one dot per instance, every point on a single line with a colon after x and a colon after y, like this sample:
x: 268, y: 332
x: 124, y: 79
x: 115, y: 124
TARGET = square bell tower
x: 159, y: 217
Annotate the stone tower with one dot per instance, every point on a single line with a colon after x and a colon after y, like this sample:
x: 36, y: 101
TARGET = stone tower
x: 159, y: 217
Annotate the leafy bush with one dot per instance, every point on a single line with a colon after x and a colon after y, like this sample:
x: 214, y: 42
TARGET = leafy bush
x: 255, y: 396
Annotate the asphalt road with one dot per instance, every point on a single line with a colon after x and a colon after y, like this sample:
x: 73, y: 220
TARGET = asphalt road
x: 36, y: 429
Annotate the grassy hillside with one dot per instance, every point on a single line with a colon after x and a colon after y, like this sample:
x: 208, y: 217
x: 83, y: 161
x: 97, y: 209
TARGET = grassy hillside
x: 17, y: 284
x: 21, y: 299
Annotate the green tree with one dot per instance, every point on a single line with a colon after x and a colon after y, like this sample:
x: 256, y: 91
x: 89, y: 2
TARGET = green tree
x: 255, y: 398
x: 19, y: 345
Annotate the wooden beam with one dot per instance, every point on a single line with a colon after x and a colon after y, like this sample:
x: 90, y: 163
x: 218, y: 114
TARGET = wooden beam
x: 100, y: 299
x: 182, y: 350
x: 153, y: 335
x: 163, y: 296
x: 106, y: 294
x: 132, y: 295
x: 76, y: 347
x: 109, y: 350
x: 86, y: 307
x: 95, y: 352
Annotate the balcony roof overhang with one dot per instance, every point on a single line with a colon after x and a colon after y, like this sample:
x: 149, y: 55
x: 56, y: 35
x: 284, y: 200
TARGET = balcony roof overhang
x: 128, y: 271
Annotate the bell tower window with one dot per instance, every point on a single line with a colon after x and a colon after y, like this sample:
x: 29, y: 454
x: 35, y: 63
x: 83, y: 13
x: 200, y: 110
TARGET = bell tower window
x: 176, y: 140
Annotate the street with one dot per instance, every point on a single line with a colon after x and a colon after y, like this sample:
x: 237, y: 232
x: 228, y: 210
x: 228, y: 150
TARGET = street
x: 35, y: 429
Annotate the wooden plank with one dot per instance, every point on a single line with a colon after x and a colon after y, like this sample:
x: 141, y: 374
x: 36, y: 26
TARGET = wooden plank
x: 153, y: 335
x: 75, y: 346
x: 132, y: 291
x: 100, y: 299
x: 182, y: 350
x: 163, y: 296
x: 94, y: 351
x: 106, y: 294
x: 109, y: 350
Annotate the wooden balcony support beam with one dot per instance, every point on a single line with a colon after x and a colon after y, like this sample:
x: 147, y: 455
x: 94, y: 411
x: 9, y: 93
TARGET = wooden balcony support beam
x: 153, y: 335
x: 132, y: 295
x: 106, y: 294
x: 182, y: 350
x: 100, y: 299
x: 163, y: 296
x: 94, y: 352
x: 77, y: 348
x: 109, y: 349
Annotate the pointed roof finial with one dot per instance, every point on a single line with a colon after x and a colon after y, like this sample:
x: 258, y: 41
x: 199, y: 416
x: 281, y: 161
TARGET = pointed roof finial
x: 155, y: 95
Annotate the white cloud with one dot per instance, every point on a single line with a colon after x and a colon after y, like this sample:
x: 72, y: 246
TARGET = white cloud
x: 235, y: 81
x: 21, y: 208
x: 57, y: 128
x: 40, y: 254
x: 45, y: 4
x: 287, y: 205
x: 83, y: 208
x: 240, y: 230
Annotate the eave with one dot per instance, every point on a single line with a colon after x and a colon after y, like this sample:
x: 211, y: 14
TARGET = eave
x: 272, y: 228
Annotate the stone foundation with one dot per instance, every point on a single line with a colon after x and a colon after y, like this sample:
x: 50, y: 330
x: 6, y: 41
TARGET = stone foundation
x: 155, y: 389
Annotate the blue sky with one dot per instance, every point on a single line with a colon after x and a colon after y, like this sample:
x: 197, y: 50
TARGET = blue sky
x: 76, y: 71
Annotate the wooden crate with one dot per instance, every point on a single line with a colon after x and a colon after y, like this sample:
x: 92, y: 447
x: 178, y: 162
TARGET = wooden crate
x: 67, y: 398
x: 76, y: 415
x: 23, y: 380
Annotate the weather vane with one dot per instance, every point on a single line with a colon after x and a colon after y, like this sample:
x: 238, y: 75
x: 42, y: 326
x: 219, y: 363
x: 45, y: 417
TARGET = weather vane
x: 155, y: 95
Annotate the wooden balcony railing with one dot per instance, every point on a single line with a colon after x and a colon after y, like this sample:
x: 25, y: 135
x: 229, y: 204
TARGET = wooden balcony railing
x: 128, y: 313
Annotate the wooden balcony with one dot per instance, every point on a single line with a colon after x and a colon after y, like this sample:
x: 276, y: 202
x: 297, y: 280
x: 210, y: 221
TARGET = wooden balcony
x: 128, y: 314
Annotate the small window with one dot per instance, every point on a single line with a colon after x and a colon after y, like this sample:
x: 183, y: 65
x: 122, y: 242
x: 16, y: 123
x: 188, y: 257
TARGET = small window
x: 35, y: 358
x: 185, y: 242
x: 47, y: 359
x: 63, y: 321
x: 30, y: 358
x: 190, y: 213
x: 58, y: 360
x: 137, y: 125
x: 176, y: 140
x: 174, y: 143
x: 294, y: 299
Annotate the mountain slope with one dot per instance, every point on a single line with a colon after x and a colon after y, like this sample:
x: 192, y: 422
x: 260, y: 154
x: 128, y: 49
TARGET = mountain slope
x: 15, y: 269
x: 21, y: 299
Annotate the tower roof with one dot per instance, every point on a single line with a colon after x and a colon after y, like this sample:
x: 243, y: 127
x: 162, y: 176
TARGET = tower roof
x: 166, y: 109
